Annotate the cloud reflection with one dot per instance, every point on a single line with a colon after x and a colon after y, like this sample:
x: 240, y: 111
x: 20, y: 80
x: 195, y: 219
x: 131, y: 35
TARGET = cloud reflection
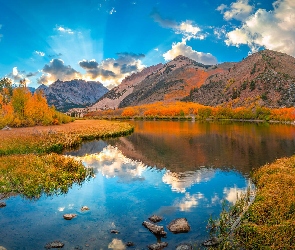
x: 110, y: 162
x: 181, y: 181
x: 117, y: 245
x: 189, y: 201
x: 233, y: 194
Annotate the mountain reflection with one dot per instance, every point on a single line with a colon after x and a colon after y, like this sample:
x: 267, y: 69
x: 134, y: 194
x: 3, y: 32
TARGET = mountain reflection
x: 187, y: 146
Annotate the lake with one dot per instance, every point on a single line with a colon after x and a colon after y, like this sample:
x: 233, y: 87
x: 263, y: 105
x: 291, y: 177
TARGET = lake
x: 169, y: 168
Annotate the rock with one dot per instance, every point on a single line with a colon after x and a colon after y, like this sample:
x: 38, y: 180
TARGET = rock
x: 2, y: 204
x: 179, y: 226
x: 84, y: 208
x: 54, y: 244
x: 155, y: 218
x: 214, y: 241
x: 114, y: 231
x: 184, y: 247
x: 129, y: 244
x: 158, y: 246
x: 2, y: 248
x: 69, y: 216
x: 6, y: 128
x: 155, y: 229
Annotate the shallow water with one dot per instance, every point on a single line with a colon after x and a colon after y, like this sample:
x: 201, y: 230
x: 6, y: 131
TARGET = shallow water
x: 172, y: 169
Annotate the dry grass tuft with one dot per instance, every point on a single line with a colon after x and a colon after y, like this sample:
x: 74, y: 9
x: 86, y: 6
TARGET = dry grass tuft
x: 270, y: 221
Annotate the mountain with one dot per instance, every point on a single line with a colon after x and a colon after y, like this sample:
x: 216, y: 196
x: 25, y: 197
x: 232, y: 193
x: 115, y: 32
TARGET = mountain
x: 65, y: 95
x: 169, y: 82
x: 113, y: 98
x: 266, y: 78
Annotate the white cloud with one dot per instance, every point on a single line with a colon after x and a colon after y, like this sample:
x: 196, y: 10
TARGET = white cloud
x: 239, y: 10
x: 220, y: 32
x: 186, y: 28
x: 112, y: 71
x: 57, y: 70
x: 15, y: 71
x: 112, y: 11
x: 181, y: 48
x: 40, y: 53
x: 273, y: 30
x: 221, y: 8
x: 65, y: 30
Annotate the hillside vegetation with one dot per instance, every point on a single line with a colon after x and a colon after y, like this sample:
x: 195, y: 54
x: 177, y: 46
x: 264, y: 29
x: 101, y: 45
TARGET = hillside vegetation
x: 19, y: 107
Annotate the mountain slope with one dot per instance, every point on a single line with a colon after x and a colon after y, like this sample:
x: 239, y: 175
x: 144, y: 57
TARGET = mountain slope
x: 72, y: 94
x: 113, y: 98
x: 171, y: 82
x: 266, y: 78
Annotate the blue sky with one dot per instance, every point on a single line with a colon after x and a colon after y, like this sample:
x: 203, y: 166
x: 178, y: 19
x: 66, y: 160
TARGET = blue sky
x: 107, y: 40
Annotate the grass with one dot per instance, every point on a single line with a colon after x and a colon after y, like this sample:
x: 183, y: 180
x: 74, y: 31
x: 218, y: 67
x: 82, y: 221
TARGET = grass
x: 269, y: 222
x: 30, y: 165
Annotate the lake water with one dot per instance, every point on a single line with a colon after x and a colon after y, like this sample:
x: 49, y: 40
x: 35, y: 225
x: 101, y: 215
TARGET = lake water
x: 172, y: 169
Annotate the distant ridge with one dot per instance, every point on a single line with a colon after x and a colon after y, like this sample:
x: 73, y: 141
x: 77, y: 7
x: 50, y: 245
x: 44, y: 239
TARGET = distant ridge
x: 65, y: 95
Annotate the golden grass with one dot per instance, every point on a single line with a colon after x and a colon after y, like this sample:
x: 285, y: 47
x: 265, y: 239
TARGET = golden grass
x: 25, y: 168
x: 48, y: 139
x: 270, y: 221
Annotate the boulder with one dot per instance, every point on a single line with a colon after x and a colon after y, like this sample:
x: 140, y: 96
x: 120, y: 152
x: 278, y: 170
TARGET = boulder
x: 184, y: 246
x: 158, y: 246
x: 2, y: 248
x: 69, y: 216
x: 2, y: 204
x: 179, y: 226
x: 155, y: 229
x: 84, y: 208
x: 155, y: 218
x: 54, y: 244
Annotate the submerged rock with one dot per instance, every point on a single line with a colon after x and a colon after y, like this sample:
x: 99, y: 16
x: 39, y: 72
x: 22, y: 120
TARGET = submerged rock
x: 179, y: 226
x: 155, y: 218
x: 69, y: 216
x: 129, y: 244
x: 2, y: 248
x: 184, y: 247
x: 158, y: 246
x: 54, y: 244
x: 2, y: 204
x: 114, y: 231
x: 214, y: 241
x: 84, y: 208
x: 155, y: 229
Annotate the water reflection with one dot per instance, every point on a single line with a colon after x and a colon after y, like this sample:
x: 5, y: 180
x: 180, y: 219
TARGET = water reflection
x: 165, y: 168
x: 184, y: 146
x: 110, y: 162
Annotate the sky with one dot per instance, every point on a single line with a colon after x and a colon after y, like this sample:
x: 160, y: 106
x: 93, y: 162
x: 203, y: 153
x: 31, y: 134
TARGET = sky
x: 107, y: 40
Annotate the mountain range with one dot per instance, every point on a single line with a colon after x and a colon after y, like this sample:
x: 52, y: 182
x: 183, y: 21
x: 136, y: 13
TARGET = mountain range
x: 65, y: 95
x: 265, y: 78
